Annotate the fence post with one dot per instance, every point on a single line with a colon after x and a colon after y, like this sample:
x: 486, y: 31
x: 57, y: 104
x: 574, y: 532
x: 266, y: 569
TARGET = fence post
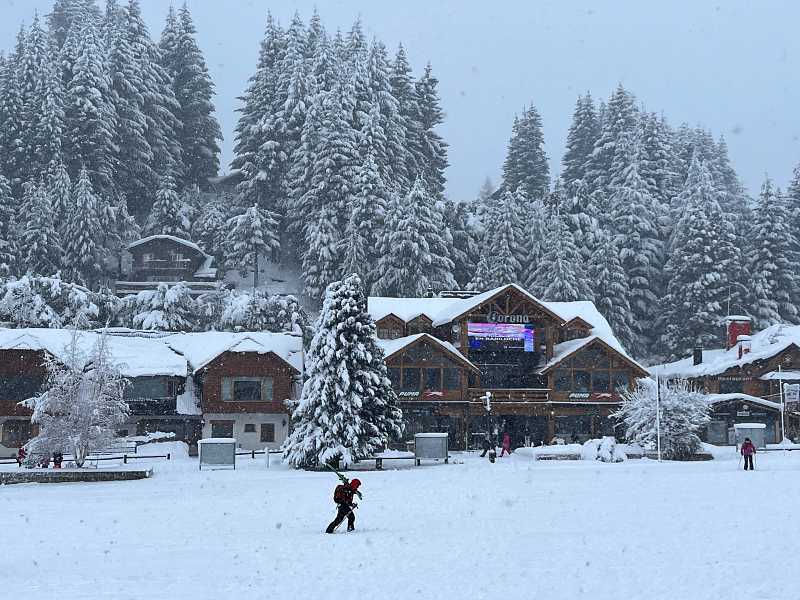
x: 253, y: 455
x: 125, y: 459
x: 168, y: 455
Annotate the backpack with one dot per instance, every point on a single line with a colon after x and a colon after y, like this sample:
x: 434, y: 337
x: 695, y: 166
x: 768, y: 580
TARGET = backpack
x: 340, y: 494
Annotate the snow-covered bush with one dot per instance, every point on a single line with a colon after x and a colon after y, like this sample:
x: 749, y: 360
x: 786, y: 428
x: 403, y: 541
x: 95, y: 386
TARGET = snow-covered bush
x: 259, y: 311
x: 605, y: 449
x: 347, y: 409
x: 41, y: 301
x: 82, y: 403
x: 683, y: 414
x: 163, y: 309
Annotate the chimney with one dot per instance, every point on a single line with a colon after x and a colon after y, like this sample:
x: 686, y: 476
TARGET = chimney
x: 735, y: 325
x: 743, y: 343
x: 697, y: 357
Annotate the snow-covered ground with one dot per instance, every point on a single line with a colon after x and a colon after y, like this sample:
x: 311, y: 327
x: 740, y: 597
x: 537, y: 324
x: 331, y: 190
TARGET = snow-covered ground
x: 513, y: 529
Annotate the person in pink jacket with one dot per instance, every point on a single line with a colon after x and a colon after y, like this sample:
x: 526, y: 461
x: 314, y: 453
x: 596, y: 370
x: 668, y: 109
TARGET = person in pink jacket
x: 748, y: 450
x: 506, y: 444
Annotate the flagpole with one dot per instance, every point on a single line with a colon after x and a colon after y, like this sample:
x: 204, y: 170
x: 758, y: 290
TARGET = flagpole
x: 658, y: 416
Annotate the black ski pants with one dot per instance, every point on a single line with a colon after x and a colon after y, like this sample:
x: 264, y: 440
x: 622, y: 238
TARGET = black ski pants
x: 344, y: 511
x: 748, y: 460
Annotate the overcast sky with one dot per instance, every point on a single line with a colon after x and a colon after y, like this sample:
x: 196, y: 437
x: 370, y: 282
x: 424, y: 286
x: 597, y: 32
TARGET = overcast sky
x: 730, y: 66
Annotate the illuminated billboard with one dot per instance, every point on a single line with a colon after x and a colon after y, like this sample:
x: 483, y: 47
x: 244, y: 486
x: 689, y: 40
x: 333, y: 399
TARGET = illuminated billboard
x: 494, y: 336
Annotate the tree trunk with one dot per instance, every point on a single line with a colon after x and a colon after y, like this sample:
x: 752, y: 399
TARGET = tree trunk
x: 255, y: 272
x: 80, y: 453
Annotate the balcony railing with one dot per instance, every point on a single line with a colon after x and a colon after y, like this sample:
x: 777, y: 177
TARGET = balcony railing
x: 512, y: 395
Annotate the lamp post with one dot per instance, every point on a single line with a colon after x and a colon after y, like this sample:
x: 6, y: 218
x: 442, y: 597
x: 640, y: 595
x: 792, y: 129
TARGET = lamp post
x: 658, y: 416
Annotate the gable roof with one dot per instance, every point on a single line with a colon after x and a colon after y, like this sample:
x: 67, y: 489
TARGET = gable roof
x: 392, y: 347
x: 171, y: 238
x: 564, y: 350
x: 763, y: 345
x: 712, y: 399
x: 464, y: 306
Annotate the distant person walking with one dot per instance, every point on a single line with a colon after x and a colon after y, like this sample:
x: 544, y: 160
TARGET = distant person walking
x: 748, y: 450
x: 506, y: 444
x: 21, y: 455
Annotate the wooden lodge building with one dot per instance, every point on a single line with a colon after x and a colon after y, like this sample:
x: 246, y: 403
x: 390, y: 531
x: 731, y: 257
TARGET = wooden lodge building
x: 551, y: 369
x: 209, y: 384
x: 742, y: 381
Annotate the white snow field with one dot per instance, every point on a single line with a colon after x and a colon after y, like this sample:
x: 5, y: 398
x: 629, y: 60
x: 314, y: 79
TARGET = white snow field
x: 514, y: 529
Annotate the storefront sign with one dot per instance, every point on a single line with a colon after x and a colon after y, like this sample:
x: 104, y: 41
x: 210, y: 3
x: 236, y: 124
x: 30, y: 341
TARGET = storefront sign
x: 409, y: 394
x: 579, y: 396
x: 496, y: 317
x: 742, y: 413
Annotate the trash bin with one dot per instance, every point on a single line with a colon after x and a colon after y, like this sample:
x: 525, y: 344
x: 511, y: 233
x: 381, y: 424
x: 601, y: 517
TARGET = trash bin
x: 431, y: 446
x: 217, y: 452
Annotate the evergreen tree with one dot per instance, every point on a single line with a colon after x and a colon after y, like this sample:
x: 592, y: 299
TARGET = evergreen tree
x: 347, y: 409
x: 11, y: 124
x: 184, y: 62
x: 83, y: 257
x: 405, y: 92
x: 483, y: 279
x: 772, y: 261
x: 610, y: 289
x: 69, y: 13
x: 560, y: 275
x: 698, y: 270
x: 250, y: 235
x: 38, y: 241
x: 535, y: 241
x: 210, y: 228
x: 8, y: 238
x: 526, y: 165
x: 166, y: 217
x: 59, y: 192
x: 581, y: 214
x: 620, y: 117
x: 581, y: 137
x: 429, y: 147
x: 163, y: 309
x: 464, y: 250
x: 321, y: 257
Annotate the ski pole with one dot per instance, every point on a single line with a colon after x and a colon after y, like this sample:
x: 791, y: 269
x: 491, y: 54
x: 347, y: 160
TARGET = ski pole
x: 350, y: 512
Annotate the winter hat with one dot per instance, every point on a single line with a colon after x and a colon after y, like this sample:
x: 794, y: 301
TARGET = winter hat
x: 355, y: 484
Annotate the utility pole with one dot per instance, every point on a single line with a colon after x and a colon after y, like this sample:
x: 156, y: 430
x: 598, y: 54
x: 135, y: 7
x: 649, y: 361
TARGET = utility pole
x: 658, y: 416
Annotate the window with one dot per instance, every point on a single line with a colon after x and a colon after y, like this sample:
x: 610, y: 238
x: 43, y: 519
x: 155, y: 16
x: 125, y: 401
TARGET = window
x: 562, y: 380
x: 452, y: 379
x: 249, y: 428
x: 411, y: 379
x: 581, y: 381
x: 433, y: 379
x: 148, y: 387
x: 223, y: 429
x: 394, y: 377
x: 601, y: 381
x: 19, y: 387
x: 247, y: 389
x: 621, y: 381
x: 268, y: 432
x: 147, y: 256
x: 16, y: 433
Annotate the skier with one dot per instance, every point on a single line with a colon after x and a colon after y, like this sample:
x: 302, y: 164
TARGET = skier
x: 506, y: 444
x: 343, y: 497
x: 748, y: 450
x: 485, y: 444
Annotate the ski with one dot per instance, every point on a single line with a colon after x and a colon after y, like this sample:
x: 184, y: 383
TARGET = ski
x: 344, y: 480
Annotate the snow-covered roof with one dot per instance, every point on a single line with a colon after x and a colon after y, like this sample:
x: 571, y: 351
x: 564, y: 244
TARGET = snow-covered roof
x: 565, y: 349
x: 465, y: 305
x: 764, y: 344
x: 780, y: 375
x: 203, y: 347
x: 206, y: 271
x: 172, y: 238
x: 717, y: 398
x: 391, y: 347
x: 407, y: 309
x: 135, y: 356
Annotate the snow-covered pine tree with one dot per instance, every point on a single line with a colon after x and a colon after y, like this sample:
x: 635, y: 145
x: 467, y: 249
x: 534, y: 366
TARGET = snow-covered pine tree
x: 89, y: 115
x: 526, y: 164
x: 620, y: 117
x: 8, y: 234
x: 581, y: 214
x: 200, y: 134
x: 560, y: 275
x: 683, y: 414
x: 82, y: 403
x: 163, y: 309
x: 165, y: 217
x: 39, y: 240
x: 404, y: 91
x: 250, y: 235
x: 581, y: 137
x: 321, y: 255
x: 210, y: 227
x: 11, y: 123
x: 704, y: 257
x: 59, y: 193
x: 483, y: 279
x: 67, y: 12
x: 536, y: 221
x: 772, y: 261
x: 347, y: 409
x: 634, y: 214
x: 82, y: 261
x: 429, y: 147
x: 464, y: 250
x: 504, y: 231
x: 610, y: 289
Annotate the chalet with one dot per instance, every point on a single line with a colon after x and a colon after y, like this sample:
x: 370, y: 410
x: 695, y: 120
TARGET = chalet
x: 191, y: 384
x: 169, y: 259
x: 503, y: 360
x: 743, y: 380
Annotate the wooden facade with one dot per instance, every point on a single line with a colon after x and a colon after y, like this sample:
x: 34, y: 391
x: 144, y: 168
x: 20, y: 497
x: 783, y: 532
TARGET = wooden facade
x: 558, y: 388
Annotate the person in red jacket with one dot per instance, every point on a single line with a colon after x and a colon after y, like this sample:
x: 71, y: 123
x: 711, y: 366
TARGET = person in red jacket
x: 748, y: 450
x: 21, y: 455
x: 343, y: 497
x: 506, y: 444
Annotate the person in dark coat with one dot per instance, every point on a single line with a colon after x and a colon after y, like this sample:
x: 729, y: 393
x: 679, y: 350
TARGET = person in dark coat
x: 345, y: 507
x: 506, y: 444
x: 21, y: 455
x: 748, y: 450
x: 485, y: 444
